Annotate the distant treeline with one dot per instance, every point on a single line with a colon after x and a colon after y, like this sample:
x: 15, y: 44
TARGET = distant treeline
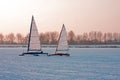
x: 90, y: 38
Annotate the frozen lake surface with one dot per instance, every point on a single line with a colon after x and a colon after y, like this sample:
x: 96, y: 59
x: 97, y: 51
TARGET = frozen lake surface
x: 83, y: 64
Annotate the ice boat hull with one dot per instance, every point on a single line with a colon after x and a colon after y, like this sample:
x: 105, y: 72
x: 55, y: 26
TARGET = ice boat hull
x: 33, y: 53
x: 59, y: 54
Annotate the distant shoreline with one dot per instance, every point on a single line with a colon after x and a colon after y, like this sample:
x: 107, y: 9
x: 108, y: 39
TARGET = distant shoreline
x: 54, y: 46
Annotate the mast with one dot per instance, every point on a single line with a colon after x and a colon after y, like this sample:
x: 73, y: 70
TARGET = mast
x: 30, y: 34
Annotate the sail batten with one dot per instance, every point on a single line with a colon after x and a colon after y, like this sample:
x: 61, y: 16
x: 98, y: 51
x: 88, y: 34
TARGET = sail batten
x: 34, y: 42
x: 62, y: 41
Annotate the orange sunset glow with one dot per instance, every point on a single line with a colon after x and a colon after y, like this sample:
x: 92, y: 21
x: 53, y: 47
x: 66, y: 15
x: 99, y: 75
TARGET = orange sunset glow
x: 77, y: 15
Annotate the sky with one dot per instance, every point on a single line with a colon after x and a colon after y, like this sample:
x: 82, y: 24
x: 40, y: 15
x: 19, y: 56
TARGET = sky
x: 77, y: 15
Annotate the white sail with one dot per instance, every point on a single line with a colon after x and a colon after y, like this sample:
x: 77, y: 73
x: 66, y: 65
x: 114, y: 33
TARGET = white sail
x: 34, y: 41
x: 62, y: 42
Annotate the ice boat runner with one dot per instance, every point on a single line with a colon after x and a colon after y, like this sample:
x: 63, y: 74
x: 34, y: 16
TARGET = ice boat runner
x: 62, y: 46
x: 34, y: 46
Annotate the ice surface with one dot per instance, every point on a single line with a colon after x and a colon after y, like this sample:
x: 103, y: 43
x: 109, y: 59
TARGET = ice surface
x: 83, y: 64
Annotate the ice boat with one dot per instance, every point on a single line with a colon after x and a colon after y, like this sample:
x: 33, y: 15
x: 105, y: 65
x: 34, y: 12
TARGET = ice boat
x: 34, y: 45
x: 62, y: 46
